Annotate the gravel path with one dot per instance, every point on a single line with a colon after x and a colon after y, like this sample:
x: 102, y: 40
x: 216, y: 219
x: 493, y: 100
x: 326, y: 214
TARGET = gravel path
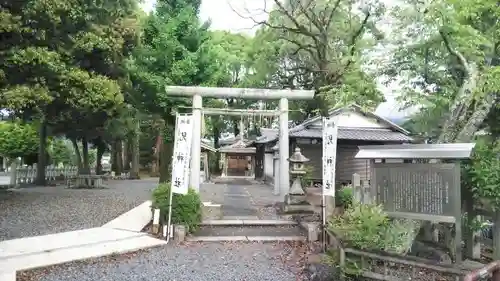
x: 45, y: 210
x: 188, y: 262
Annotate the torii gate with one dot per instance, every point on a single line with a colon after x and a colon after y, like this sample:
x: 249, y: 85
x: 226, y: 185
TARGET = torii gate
x: 243, y: 93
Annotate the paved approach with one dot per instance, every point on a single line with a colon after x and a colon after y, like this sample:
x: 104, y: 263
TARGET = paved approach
x: 242, y: 198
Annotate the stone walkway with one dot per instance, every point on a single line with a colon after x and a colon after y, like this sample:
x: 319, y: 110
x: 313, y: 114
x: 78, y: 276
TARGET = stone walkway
x: 245, y: 204
x: 242, y: 198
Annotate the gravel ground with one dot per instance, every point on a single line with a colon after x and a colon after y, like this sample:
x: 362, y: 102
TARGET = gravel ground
x: 45, y: 210
x: 188, y: 262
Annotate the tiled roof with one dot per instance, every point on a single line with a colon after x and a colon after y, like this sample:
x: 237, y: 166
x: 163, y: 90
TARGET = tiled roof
x: 267, y: 135
x: 208, y: 147
x: 355, y: 134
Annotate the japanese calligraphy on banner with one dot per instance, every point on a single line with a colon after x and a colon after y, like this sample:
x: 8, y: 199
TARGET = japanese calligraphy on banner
x: 329, y: 156
x: 182, y: 153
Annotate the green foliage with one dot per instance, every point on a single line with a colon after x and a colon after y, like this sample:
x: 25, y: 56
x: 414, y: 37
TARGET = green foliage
x: 320, y: 46
x: 186, y: 209
x: 61, y: 152
x: 92, y: 157
x: 61, y: 61
x: 344, y: 196
x: 367, y: 227
x: 18, y: 139
x: 481, y: 173
x: 430, y: 73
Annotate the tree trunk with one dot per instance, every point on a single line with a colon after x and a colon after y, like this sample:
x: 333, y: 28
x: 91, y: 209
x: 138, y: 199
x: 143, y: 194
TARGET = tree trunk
x: 216, y: 167
x: 156, y: 157
x: 126, y: 154
x: 101, y: 148
x: 85, y: 157
x: 134, y: 172
x: 453, y: 125
x: 42, y: 155
x: 113, y: 156
x: 476, y: 119
x: 78, y: 155
x: 119, y: 157
x: 166, y: 153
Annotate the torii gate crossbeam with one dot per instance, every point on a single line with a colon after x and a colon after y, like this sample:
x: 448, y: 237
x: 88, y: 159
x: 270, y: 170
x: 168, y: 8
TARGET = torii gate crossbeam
x: 283, y: 95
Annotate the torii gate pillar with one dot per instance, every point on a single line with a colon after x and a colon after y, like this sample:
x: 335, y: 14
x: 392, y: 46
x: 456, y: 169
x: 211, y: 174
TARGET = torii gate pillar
x: 242, y: 93
x: 194, y: 175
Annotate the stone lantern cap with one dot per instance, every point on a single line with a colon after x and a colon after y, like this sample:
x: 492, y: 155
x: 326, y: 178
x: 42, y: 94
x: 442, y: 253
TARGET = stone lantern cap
x: 297, y: 157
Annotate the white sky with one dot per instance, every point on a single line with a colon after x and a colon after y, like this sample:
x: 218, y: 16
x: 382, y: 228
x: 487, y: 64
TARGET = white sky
x: 222, y: 16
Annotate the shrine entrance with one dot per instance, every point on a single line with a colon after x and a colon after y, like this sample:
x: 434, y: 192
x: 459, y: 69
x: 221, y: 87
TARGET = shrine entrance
x: 238, y: 162
x: 235, y: 206
x: 235, y: 158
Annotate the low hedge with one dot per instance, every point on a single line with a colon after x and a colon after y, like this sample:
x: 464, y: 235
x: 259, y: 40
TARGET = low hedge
x: 186, y: 209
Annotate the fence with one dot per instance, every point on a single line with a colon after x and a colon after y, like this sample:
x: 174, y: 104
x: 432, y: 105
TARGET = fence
x: 27, y: 175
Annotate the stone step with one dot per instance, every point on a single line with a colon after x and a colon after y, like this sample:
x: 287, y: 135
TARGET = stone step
x: 249, y: 233
x: 247, y: 222
x: 298, y: 209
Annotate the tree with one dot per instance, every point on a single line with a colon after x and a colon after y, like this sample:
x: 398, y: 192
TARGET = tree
x: 61, y: 152
x: 18, y: 140
x: 449, y: 59
x: 170, y: 53
x: 318, y: 45
x: 59, y: 62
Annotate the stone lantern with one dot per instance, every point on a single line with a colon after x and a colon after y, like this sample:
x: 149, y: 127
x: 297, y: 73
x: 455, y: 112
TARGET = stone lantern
x: 297, y: 172
x: 296, y: 195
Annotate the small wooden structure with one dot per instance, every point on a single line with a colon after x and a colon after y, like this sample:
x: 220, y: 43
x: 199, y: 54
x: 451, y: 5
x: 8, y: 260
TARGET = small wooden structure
x: 423, y: 185
x: 238, y: 159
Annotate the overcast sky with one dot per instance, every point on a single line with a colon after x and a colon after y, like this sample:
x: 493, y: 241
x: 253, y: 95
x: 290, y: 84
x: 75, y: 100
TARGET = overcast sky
x: 222, y: 15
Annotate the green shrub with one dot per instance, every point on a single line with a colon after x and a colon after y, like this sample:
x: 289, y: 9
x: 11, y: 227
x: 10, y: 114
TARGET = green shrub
x: 368, y: 227
x: 344, y: 196
x: 186, y: 209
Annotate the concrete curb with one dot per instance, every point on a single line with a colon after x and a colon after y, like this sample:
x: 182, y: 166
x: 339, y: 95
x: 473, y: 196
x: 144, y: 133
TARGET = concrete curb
x: 123, y: 229
x: 82, y: 253
x: 133, y: 220
x: 8, y: 276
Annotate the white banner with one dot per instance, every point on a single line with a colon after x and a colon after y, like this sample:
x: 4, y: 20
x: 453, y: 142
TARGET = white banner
x: 182, y: 153
x: 329, y: 156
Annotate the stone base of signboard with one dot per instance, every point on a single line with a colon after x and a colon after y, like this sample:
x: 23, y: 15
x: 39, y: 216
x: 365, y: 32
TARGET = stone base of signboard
x: 180, y: 232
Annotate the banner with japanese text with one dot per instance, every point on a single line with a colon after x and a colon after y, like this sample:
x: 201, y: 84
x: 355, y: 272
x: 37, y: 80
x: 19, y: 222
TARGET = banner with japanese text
x: 330, y: 132
x: 182, y: 153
